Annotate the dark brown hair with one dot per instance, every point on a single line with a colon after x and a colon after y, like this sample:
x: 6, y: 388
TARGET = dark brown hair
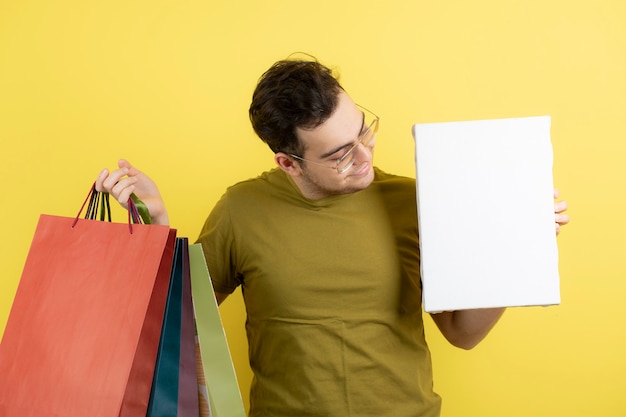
x: 292, y: 94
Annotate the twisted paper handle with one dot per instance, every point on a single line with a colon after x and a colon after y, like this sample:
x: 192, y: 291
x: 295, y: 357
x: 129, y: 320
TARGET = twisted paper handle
x: 137, y: 211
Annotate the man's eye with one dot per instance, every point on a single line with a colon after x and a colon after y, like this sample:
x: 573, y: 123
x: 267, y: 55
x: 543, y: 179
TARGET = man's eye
x: 338, y: 156
x: 341, y: 157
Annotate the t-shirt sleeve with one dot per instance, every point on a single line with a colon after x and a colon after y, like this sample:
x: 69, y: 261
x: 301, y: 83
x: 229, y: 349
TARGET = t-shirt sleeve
x: 218, y: 242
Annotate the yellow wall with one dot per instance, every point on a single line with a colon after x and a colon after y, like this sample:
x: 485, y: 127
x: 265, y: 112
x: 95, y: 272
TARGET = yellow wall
x: 167, y: 84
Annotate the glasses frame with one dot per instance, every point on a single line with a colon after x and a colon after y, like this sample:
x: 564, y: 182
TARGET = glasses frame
x: 373, y: 127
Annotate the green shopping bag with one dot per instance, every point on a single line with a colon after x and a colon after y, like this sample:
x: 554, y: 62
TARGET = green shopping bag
x: 221, y: 381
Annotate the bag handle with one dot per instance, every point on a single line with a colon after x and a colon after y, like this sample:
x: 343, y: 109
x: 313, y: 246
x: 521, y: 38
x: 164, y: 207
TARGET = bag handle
x: 136, y: 215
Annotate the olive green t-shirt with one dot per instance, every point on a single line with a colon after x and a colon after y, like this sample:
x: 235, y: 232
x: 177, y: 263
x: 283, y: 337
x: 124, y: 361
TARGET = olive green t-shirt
x: 332, y: 294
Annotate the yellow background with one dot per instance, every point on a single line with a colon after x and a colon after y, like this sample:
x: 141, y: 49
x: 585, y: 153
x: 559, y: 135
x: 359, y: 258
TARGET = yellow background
x: 167, y: 85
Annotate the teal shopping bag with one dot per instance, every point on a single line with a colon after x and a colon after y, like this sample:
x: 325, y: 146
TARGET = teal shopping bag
x: 174, y: 386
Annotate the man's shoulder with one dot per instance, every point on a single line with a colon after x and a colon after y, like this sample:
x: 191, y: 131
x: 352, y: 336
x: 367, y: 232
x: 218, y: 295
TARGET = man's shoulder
x: 265, y: 179
x: 268, y: 185
x: 395, y: 189
x: 385, y: 178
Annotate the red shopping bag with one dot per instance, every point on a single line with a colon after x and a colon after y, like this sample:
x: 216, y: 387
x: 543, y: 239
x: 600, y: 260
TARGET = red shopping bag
x: 83, y: 331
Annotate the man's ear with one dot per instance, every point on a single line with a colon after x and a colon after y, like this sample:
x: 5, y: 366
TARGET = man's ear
x: 288, y: 164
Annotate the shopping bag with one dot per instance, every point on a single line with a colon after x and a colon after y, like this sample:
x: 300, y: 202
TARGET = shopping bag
x: 174, y: 384
x: 188, y: 400
x: 83, y: 331
x: 203, y: 393
x: 217, y: 365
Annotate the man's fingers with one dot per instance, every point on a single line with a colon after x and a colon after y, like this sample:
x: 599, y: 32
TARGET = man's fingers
x: 130, y: 169
x: 560, y: 206
x: 124, y: 195
x: 101, y: 177
x: 113, y: 179
x: 561, y: 218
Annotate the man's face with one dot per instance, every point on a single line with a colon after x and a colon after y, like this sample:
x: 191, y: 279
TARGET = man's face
x: 326, y: 144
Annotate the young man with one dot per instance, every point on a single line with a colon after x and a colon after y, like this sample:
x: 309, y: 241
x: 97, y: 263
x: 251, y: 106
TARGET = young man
x: 325, y: 248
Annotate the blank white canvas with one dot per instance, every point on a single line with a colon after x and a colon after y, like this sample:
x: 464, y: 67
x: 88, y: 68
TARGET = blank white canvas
x: 486, y: 214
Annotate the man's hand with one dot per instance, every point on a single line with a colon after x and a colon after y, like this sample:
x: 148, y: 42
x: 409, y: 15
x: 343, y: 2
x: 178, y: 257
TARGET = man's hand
x: 127, y: 180
x: 560, y: 218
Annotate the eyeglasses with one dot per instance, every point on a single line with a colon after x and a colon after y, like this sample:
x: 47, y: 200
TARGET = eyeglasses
x: 366, y: 138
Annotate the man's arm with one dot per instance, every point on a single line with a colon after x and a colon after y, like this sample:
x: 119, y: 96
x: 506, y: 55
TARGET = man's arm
x: 466, y: 328
x: 220, y: 297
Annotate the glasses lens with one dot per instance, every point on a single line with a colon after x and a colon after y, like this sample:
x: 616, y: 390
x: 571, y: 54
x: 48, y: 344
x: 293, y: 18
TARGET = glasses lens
x: 348, y: 159
x: 366, y: 139
x: 369, y: 137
